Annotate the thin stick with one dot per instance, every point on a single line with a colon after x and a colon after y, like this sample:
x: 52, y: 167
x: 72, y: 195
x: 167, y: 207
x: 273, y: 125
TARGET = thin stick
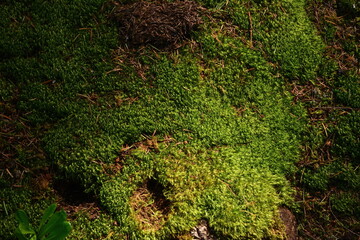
x: 6, y: 211
x: 250, y: 30
x: 349, y: 108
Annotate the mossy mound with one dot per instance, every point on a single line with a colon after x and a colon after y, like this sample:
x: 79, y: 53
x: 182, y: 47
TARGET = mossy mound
x: 195, y: 114
x: 210, y: 126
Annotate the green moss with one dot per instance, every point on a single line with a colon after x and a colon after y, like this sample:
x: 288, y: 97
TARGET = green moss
x: 284, y: 31
x: 219, y: 185
x: 68, y: 61
x: 347, y: 89
x: 347, y: 141
x: 18, y: 26
x: 317, y: 180
x: 189, y: 108
x: 102, y: 227
x: 295, y: 45
x: 235, y: 130
x: 6, y: 90
x: 342, y: 172
x: 346, y: 204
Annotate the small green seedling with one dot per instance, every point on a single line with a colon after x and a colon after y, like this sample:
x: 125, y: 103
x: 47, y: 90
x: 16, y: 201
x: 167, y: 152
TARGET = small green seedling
x: 53, y: 225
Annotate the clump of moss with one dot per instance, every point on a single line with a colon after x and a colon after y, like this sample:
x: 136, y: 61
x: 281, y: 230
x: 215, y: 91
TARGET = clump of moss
x: 342, y: 172
x: 348, y: 142
x: 316, y: 180
x: 347, y: 89
x: 346, y: 204
x: 294, y: 43
x: 202, y: 112
x: 199, y: 184
x: 102, y: 227
x: 282, y: 29
x: 6, y: 90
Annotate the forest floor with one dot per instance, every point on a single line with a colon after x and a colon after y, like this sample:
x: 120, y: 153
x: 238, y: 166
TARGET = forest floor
x: 320, y: 219
x: 242, y: 110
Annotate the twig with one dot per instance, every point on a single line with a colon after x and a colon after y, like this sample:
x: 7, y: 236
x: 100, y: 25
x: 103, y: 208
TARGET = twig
x: 250, y: 30
x: 228, y: 185
x: 349, y: 108
x: 6, y: 211
x: 4, y: 116
x: 304, y: 202
x: 7, y: 170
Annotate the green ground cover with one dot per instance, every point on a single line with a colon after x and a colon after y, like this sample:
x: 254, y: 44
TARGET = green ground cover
x: 208, y: 131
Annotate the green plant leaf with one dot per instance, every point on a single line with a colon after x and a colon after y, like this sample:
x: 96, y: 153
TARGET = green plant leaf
x: 22, y: 217
x: 47, y: 214
x: 53, y: 224
x: 19, y: 235
x: 24, y: 224
x: 60, y: 232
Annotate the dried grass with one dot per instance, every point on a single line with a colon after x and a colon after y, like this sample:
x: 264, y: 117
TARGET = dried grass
x: 150, y: 208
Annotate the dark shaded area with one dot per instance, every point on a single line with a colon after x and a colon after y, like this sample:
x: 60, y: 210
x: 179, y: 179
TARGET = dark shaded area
x: 348, y: 8
x: 157, y: 191
x: 72, y: 193
x: 161, y: 24
x: 73, y: 199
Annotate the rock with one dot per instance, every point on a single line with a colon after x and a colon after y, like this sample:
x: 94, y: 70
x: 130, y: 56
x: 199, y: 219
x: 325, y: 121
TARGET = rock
x: 290, y: 223
x: 202, y: 231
